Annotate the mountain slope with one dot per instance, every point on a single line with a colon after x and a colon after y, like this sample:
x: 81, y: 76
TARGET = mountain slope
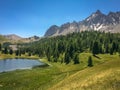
x: 96, y: 21
x: 117, y: 28
x: 2, y: 38
x: 101, y: 77
x: 16, y: 38
x: 13, y: 37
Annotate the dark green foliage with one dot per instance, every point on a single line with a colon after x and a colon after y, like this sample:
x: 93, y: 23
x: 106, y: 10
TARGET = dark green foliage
x: 111, y: 51
x: 114, y: 46
x: 61, y: 47
x: 11, y: 51
x: 90, y: 62
x: 76, y: 59
x: 67, y: 58
x: 5, y: 50
x: 48, y: 54
x: 56, y: 55
x: 22, y: 51
x: 100, y: 49
x: 71, y: 50
x: 119, y: 50
x: 29, y: 54
x: 6, y: 44
x: 107, y: 49
x: 66, y: 46
x: 95, y: 49
x: 0, y: 47
x: 48, y: 57
x: 17, y: 52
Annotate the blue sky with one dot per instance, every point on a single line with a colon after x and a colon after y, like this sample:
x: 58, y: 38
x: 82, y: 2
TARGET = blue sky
x: 33, y: 17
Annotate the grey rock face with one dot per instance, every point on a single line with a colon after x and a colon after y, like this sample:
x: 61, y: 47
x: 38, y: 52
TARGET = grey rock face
x: 52, y: 30
x: 96, y: 21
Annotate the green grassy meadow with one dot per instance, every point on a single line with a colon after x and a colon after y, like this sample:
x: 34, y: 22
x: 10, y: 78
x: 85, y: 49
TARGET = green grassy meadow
x: 59, y: 76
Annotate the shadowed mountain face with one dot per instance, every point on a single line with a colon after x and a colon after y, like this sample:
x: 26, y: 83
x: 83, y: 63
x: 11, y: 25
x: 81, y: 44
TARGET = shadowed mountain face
x: 96, y: 21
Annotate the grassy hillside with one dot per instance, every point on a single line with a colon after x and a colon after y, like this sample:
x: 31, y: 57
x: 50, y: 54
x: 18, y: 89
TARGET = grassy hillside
x: 61, y: 76
x: 105, y: 76
x: 3, y: 39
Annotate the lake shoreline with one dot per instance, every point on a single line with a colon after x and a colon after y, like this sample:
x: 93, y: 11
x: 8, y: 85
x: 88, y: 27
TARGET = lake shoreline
x: 10, y: 57
x: 13, y: 56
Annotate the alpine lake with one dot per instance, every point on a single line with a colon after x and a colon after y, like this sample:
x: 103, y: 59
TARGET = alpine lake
x: 19, y: 64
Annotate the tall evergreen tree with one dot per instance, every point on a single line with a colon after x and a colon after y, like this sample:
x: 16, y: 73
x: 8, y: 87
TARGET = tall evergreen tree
x: 67, y: 58
x: 71, y: 51
x: 0, y: 47
x: 17, y: 52
x: 76, y: 58
x: 6, y: 50
x: 90, y: 62
x: 95, y: 49
x: 119, y: 50
x: 111, y: 51
x: 29, y: 53
x: 107, y: 49
x: 48, y: 57
x: 101, y: 49
x: 114, y: 47
x: 11, y: 51
x: 48, y: 53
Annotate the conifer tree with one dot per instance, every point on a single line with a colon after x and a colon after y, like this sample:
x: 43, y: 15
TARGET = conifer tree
x: 95, y: 49
x: 67, y: 58
x: 107, y: 49
x: 90, y: 62
x: 0, y: 47
x: 76, y: 59
x: 11, y: 51
x: 5, y: 50
x: 111, y: 51
x: 17, y: 52
x: 114, y: 47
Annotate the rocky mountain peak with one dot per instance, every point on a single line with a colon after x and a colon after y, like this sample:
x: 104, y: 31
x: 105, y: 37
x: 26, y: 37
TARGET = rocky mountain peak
x: 96, y: 21
x: 111, y: 13
x: 95, y: 17
x: 98, y: 12
x: 52, y: 30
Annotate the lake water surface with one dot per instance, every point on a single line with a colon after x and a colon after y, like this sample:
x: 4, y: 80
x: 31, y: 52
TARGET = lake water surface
x: 14, y: 64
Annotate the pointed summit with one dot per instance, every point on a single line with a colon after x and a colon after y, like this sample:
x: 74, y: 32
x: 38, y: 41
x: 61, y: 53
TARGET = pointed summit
x: 98, y: 12
x: 97, y: 21
x: 96, y: 15
x: 52, y: 30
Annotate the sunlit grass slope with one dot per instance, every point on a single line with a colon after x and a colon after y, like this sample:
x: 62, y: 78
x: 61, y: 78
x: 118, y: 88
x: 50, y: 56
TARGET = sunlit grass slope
x: 105, y: 76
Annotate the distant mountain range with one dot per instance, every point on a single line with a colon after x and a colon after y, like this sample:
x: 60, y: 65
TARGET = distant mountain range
x: 13, y: 37
x: 16, y: 38
x: 96, y: 21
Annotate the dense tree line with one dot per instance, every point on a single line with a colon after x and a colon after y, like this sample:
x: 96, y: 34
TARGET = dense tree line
x: 67, y: 48
x: 6, y: 49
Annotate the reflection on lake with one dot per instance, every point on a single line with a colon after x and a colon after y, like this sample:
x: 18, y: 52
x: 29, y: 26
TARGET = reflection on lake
x: 14, y: 64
